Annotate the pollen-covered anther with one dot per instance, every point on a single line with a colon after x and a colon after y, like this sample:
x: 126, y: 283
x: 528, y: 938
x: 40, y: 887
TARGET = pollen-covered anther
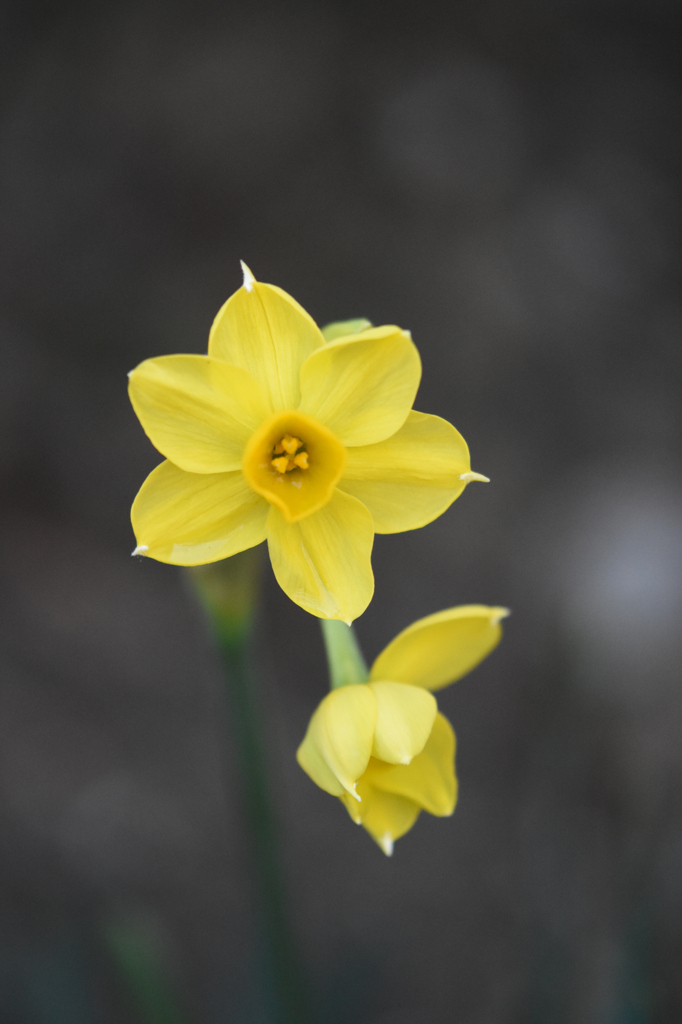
x: 290, y: 444
x: 289, y: 454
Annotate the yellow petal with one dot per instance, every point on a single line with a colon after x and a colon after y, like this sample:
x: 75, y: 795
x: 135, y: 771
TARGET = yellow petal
x: 339, y: 737
x: 429, y: 781
x: 362, y: 387
x: 411, y: 478
x: 265, y: 331
x: 323, y: 562
x: 309, y: 757
x: 405, y: 717
x: 193, y: 518
x: 385, y: 816
x: 198, y: 412
x: 441, y: 648
x: 299, y: 491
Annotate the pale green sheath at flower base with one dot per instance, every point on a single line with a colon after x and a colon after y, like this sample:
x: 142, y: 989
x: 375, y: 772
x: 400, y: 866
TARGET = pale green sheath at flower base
x: 281, y: 435
x: 380, y: 743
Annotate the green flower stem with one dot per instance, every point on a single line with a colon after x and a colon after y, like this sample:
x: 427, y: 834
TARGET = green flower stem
x: 137, y: 955
x: 344, y: 657
x: 228, y: 591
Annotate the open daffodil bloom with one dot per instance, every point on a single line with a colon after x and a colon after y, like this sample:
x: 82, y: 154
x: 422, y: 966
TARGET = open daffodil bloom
x: 277, y: 434
x: 382, y: 746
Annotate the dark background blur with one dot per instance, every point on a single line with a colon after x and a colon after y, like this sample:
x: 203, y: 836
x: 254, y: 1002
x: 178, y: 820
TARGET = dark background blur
x: 503, y: 179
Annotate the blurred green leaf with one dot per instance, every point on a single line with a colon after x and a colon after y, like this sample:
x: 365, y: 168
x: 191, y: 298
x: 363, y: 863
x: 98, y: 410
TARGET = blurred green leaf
x: 137, y: 952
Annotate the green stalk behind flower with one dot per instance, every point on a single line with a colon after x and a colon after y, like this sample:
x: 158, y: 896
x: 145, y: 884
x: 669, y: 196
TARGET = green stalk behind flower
x: 228, y: 591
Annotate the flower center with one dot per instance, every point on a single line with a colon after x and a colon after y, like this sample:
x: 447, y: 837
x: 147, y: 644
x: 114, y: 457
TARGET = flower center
x: 288, y: 454
x: 294, y: 462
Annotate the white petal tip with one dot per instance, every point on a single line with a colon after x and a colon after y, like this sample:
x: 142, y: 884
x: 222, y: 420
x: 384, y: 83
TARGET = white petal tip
x: 140, y: 550
x: 500, y: 613
x: 386, y: 843
x: 249, y: 279
x: 354, y: 794
x: 469, y: 477
x: 406, y: 760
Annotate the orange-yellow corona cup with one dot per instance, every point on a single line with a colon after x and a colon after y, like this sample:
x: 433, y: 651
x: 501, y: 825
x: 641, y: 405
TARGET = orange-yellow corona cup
x: 281, y: 435
x: 382, y: 746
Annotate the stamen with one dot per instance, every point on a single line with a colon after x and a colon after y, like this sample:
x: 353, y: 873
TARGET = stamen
x: 291, y: 444
x: 287, y: 456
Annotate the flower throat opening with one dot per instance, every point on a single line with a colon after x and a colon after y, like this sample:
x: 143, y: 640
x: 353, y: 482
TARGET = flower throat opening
x: 294, y: 462
x: 289, y: 453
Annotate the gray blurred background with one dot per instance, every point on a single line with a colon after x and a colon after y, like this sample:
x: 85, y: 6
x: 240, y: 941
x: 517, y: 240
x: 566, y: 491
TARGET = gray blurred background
x: 502, y: 179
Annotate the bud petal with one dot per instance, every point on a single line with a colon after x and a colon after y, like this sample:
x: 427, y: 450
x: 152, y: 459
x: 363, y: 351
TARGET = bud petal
x: 337, y: 746
x: 429, y: 781
x: 405, y: 716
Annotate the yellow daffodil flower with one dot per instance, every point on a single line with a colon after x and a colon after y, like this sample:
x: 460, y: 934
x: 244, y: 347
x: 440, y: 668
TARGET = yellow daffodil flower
x: 277, y: 434
x: 382, y: 746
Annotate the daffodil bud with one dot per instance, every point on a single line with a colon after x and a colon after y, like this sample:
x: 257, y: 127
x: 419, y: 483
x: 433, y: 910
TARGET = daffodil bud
x: 382, y: 746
